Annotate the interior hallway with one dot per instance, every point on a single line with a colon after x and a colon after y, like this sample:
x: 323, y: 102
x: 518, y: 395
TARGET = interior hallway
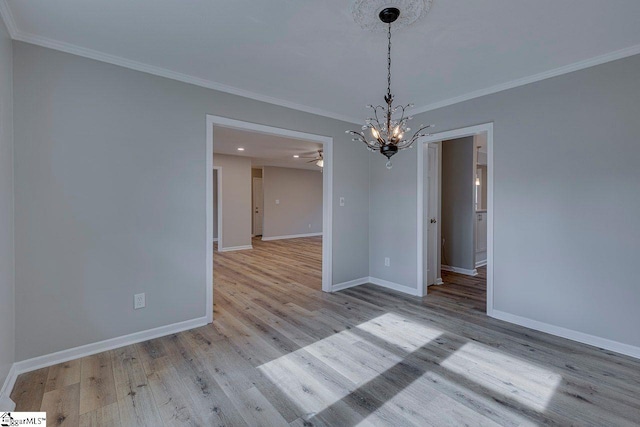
x: 283, y: 353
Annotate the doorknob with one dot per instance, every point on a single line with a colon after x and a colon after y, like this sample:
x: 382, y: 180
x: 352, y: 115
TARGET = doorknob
x: 433, y: 220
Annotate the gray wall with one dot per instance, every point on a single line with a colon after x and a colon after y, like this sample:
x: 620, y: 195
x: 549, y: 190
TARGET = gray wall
x: 458, y: 210
x: 236, y: 198
x: 567, y: 198
x: 7, y: 299
x: 110, y: 197
x: 300, y: 194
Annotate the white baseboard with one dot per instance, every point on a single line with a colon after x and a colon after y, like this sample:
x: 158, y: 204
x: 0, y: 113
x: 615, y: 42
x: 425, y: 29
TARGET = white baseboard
x: 98, y: 347
x: 375, y: 281
x: 291, y: 236
x: 581, y: 337
x: 481, y: 263
x: 6, y: 404
x: 395, y: 286
x: 350, y: 284
x: 438, y: 282
x: 235, y: 248
x: 458, y: 270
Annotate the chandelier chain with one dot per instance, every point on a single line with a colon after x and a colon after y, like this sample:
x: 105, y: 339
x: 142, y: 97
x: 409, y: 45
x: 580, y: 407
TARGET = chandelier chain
x: 389, y: 62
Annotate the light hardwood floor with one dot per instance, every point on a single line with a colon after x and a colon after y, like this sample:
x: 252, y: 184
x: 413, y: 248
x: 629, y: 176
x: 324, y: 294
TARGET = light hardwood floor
x: 282, y: 353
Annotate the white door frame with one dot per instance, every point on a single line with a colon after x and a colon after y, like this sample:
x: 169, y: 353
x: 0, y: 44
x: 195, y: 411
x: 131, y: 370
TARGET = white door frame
x: 453, y: 134
x: 327, y: 195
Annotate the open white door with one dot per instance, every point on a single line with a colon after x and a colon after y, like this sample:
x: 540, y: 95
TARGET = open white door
x: 431, y: 213
x: 258, y: 203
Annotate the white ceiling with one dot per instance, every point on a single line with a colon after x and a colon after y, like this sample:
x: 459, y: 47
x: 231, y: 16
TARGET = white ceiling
x: 311, y: 55
x: 263, y: 149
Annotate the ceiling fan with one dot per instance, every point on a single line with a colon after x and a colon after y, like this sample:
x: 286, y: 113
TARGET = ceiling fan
x: 316, y: 157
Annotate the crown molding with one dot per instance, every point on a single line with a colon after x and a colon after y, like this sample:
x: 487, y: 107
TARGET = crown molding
x: 16, y: 34
x: 576, y: 66
x: 174, y: 75
x: 7, y: 17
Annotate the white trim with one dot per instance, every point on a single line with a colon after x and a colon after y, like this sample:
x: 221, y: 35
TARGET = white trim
x: 460, y: 133
x: 327, y: 193
x: 98, y: 347
x: 581, y: 337
x: 395, y: 286
x: 215, y: 239
x: 174, y: 75
x: 235, y: 248
x: 290, y: 236
x: 208, y: 209
x: 16, y: 34
x: 6, y: 404
x: 350, y: 284
x: 576, y: 66
x: 481, y: 263
x: 459, y: 270
x: 420, y: 221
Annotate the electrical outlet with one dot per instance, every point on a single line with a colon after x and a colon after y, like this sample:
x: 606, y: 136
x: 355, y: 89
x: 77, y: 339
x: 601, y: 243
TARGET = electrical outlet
x: 138, y: 301
x: 277, y: 201
x: 387, y: 262
x: 341, y: 201
x: 309, y: 225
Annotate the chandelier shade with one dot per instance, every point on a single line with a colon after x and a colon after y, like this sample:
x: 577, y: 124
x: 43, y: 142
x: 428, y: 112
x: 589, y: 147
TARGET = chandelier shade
x: 386, y: 129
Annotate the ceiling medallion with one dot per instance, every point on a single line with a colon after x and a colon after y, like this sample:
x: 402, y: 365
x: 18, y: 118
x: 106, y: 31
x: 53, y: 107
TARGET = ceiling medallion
x: 365, y: 13
x: 385, y: 131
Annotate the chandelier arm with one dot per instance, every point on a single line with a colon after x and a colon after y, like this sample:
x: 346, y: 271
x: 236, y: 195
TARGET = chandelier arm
x: 402, y: 107
x: 360, y: 137
x: 375, y: 112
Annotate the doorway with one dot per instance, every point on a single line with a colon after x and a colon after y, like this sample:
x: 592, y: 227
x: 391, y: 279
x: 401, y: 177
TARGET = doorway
x: 430, y: 232
x: 257, y: 202
x: 216, y: 222
x: 327, y: 190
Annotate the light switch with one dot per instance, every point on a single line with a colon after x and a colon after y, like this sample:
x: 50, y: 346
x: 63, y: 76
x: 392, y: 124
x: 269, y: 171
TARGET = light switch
x: 277, y: 201
x: 341, y: 201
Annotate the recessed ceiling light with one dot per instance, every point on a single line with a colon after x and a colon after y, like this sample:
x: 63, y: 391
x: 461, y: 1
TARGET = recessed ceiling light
x: 295, y: 156
x: 240, y: 149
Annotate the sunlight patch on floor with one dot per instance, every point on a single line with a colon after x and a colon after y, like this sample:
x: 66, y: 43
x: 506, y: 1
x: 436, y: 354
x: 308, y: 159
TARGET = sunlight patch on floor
x: 508, y: 376
x: 430, y: 362
x: 357, y: 359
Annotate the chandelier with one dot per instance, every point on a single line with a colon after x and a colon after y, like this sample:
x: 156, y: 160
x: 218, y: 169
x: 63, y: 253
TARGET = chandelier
x: 388, y: 134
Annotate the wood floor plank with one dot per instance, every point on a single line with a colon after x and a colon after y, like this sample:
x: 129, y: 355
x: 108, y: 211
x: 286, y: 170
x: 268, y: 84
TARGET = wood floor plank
x: 29, y: 388
x: 282, y: 352
x: 62, y: 375
x: 97, y: 387
x: 136, y: 403
x: 62, y: 406
x: 108, y: 415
